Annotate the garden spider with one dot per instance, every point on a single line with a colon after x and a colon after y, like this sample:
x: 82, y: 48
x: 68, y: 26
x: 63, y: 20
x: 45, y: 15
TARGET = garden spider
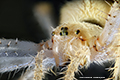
x: 88, y: 32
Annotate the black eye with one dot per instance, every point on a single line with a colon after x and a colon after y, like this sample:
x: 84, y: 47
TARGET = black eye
x: 77, y: 32
x: 66, y: 33
x: 61, y: 33
x: 53, y: 33
x: 66, y: 28
x: 62, y: 28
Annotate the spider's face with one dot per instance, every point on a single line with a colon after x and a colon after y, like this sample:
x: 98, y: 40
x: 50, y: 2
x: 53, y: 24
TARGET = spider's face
x: 66, y: 38
x: 82, y: 31
x: 68, y: 31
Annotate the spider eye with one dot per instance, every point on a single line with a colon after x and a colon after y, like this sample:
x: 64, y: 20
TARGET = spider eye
x: 53, y: 33
x: 60, y: 33
x: 62, y: 28
x: 66, y: 28
x: 77, y: 32
x: 63, y: 34
x: 66, y: 33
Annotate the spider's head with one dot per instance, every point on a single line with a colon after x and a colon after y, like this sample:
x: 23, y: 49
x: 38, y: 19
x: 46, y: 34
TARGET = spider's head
x: 69, y: 37
x: 62, y: 37
x: 65, y: 31
x: 79, y: 31
x: 68, y: 31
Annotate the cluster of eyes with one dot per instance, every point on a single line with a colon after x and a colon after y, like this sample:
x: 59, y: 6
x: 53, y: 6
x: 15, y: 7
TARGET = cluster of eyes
x: 64, y: 31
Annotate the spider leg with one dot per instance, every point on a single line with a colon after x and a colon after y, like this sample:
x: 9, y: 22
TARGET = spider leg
x: 109, y: 40
x: 15, y: 55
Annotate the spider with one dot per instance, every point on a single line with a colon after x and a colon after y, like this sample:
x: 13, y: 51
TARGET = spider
x: 88, y: 32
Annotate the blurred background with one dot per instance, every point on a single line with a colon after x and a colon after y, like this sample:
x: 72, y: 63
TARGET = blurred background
x: 31, y: 20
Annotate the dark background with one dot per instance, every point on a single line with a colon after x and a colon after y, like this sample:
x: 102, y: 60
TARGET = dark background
x: 17, y: 21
